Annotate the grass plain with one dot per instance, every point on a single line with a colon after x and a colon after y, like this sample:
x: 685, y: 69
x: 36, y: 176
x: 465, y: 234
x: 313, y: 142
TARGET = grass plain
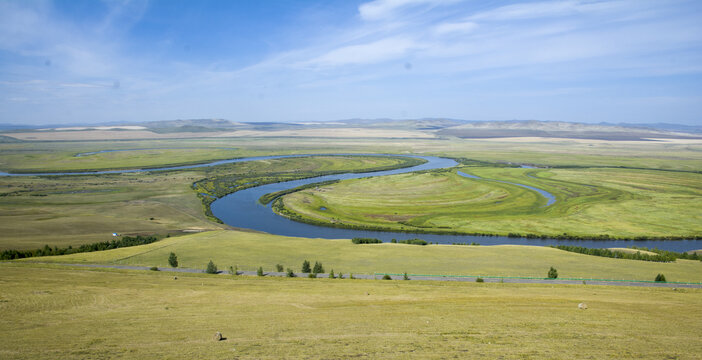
x: 249, y: 250
x: 620, y: 203
x: 72, y: 210
x: 58, y: 312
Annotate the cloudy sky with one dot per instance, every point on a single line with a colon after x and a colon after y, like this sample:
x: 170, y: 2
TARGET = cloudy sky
x: 76, y: 61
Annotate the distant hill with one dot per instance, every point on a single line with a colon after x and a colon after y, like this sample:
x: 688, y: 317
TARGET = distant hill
x: 426, y: 127
x: 559, y: 129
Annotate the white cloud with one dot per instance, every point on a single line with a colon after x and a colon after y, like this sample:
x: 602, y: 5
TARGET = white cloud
x: 380, y: 9
x: 457, y: 27
x: 369, y: 53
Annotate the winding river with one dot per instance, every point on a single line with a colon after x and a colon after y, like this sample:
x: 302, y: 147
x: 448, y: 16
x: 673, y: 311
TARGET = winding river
x: 242, y: 209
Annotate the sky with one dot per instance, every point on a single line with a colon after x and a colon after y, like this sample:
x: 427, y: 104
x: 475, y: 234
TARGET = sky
x: 76, y: 61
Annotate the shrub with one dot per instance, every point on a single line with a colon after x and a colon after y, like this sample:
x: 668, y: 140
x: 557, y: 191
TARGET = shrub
x: 279, y: 268
x: 660, y: 278
x: 312, y: 275
x: 318, y: 268
x: 358, y: 240
x: 351, y: 276
x: 405, y: 277
x: 341, y: 275
x: 331, y: 274
x: 154, y: 268
x: 387, y: 277
x: 173, y: 260
x: 211, y: 268
x: 233, y: 270
x: 413, y: 242
x: 259, y: 272
x: 479, y: 279
x: 290, y: 273
x: 306, y: 267
x: 552, y: 273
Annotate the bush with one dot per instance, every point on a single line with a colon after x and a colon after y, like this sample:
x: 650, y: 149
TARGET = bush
x: 233, y: 270
x: 173, y: 260
x: 341, y: 275
x: 358, y: 240
x: 331, y: 274
x: 387, y: 277
x: 405, y: 277
x: 279, y: 268
x: 154, y: 268
x: 306, y: 267
x: 312, y: 276
x: 552, y: 273
x: 413, y: 242
x: 318, y: 268
x: 660, y: 278
x: 211, y: 268
x: 351, y: 276
x: 290, y: 273
x: 479, y: 279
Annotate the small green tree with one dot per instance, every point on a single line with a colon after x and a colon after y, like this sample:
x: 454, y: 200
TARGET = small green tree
x: 404, y: 276
x: 318, y: 268
x: 479, y: 279
x: 351, y: 276
x: 387, y: 277
x: 306, y: 267
x: 552, y: 273
x: 173, y: 260
x: 341, y: 275
x: 331, y: 274
x: 259, y: 272
x: 233, y: 270
x: 290, y: 273
x: 279, y: 268
x: 211, y: 268
x: 312, y: 276
x: 660, y: 278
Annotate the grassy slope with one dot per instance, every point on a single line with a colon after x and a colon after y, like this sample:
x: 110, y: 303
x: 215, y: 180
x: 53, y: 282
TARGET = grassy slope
x: 251, y: 250
x: 616, y: 202
x: 65, y: 313
x: 71, y: 210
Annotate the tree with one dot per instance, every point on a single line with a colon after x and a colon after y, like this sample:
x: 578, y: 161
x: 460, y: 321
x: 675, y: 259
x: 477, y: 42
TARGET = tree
x: 331, y: 274
x: 553, y: 273
x: 211, y: 268
x: 306, y: 267
x: 318, y: 268
x: 290, y: 273
x: 259, y: 272
x: 173, y: 260
x: 405, y: 277
x: 660, y: 278
x: 387, y: 277
x: 279, y: 268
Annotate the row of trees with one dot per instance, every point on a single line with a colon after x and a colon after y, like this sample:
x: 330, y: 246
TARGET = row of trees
x: 125, y: 241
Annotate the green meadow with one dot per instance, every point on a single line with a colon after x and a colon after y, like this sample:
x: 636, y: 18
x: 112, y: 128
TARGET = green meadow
x: 71, y: 210
x: 60, y: 312
x: 619, y: 203
x: 250, y: 250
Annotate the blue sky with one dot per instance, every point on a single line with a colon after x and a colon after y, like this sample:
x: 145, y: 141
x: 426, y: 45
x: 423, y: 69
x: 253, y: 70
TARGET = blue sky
x: 95, y: 61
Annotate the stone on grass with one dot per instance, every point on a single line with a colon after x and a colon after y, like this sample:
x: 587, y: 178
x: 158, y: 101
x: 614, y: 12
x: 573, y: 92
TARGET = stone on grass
x: 582, y: 306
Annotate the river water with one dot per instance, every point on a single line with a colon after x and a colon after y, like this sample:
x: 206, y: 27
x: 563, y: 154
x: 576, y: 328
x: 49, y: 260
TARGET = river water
x: 242, y: 209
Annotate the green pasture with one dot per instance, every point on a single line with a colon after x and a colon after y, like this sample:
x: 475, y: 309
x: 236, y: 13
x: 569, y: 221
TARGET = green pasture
x: 249, y: 250
x: 620, y: 203
x: 71, y: 210
x: 61, y: 313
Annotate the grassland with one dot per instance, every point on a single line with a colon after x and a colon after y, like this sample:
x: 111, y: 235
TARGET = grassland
x: 250, y: 250
x: 72, y: 210
x: 619, y: 203
x: 57, y: 312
